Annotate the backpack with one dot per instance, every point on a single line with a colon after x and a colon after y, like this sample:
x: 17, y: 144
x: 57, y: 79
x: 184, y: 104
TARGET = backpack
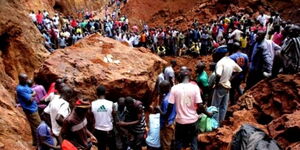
x: 252, y: 138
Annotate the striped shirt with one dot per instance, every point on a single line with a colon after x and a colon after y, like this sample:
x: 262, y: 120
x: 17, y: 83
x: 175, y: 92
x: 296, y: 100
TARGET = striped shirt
x: 132, y: 115
x: 291, y: 55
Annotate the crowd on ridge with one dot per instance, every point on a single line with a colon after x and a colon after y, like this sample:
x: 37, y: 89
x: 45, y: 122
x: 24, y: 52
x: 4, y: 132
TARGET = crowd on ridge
x: 244, y: 50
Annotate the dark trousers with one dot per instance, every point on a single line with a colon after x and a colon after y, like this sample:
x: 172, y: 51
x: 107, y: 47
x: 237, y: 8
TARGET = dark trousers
x: 253, y: 78
x: 235, y: 88
x: 105, y: 139
x: 186, y: 136
x: 136, y: 142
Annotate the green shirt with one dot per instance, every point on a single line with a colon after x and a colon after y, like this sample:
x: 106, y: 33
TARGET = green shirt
x: 203, y: 79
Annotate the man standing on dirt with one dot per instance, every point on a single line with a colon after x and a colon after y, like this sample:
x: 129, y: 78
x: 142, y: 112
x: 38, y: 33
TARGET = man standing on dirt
x: 261, y: 62
x: 186, y: 98
x: 102, y: 110
x: 74, y: 130
x: 242, y: 60
x: 134, y: 122
x: 25, y: 96
x: 166, y: 124
x: 289, y: 57
x: 224, y: 69
x: 59, y: 109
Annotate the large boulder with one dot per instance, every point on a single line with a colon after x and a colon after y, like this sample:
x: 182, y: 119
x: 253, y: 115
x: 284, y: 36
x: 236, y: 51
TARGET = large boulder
x: 95, y: 60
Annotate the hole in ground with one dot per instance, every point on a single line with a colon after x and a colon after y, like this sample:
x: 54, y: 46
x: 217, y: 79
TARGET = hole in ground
x: 292, y: 134
x: 4, y: 43
x: 264, y: 119
x: 58, y: 7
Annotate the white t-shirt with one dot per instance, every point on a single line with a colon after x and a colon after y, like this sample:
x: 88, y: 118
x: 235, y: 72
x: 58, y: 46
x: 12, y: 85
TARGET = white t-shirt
x: 263, y: 19
x: 153, y: 138
x: 45, y: 14
x: 236, y: 34
x: 185, y: 96
x: 169, y: 73
x: 224, y: 68
x: 102, y: 110
x: 136, y: 40
x: 56, y: 20
x: 57, y: 106
x: 160, y: 78
x: 33, y: 17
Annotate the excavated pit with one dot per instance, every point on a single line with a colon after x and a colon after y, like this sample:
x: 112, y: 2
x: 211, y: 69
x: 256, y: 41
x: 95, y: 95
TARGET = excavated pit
x: 22, y: 50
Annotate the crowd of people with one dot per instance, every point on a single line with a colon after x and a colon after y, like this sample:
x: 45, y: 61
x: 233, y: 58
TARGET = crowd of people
x: 61, y: 31
x: 199, y: 39
x: 244, y: 49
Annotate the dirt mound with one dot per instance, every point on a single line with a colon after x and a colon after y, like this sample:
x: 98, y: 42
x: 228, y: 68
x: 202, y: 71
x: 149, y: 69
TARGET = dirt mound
x: 155, y: 11
x: 180, y: 13
x: 21, y: 50
x: 71, y: 7
x: 272, y: 105
x: 67, y: 7
x: 275, y: 97
x: 286, y: 129
x: 96, y: 60
x: 21, y: 44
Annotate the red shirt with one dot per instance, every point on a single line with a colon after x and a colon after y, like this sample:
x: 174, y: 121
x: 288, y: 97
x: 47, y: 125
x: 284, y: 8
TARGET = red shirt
x: 215, y: 30
x: 74, y: 23
x: 277, y: 38
x: 225, y: 26
x: 39, y: 18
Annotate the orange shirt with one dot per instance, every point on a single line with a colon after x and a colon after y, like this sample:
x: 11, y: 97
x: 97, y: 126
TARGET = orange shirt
x: 143, y: 37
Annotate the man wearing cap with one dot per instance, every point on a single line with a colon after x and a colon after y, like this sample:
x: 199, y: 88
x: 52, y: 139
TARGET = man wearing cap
x: 186, y: 98
x: 75, y: 130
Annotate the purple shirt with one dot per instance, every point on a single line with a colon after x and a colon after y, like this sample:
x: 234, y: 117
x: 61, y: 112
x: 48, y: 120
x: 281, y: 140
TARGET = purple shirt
x: 40, y: 92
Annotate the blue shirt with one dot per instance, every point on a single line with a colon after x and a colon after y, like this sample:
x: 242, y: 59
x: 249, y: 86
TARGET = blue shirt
x: 261, y: 59
x: 43, y: 131
x: 164, y: 109
x: 242, y: 60
x: 24, y: 94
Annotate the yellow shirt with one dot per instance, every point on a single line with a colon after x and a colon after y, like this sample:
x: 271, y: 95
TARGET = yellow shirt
x: 227, y: 20
x: 244, y: 42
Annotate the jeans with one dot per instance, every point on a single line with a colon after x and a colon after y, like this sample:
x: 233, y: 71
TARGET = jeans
x: 186, y: 135
x: 220, y: 100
